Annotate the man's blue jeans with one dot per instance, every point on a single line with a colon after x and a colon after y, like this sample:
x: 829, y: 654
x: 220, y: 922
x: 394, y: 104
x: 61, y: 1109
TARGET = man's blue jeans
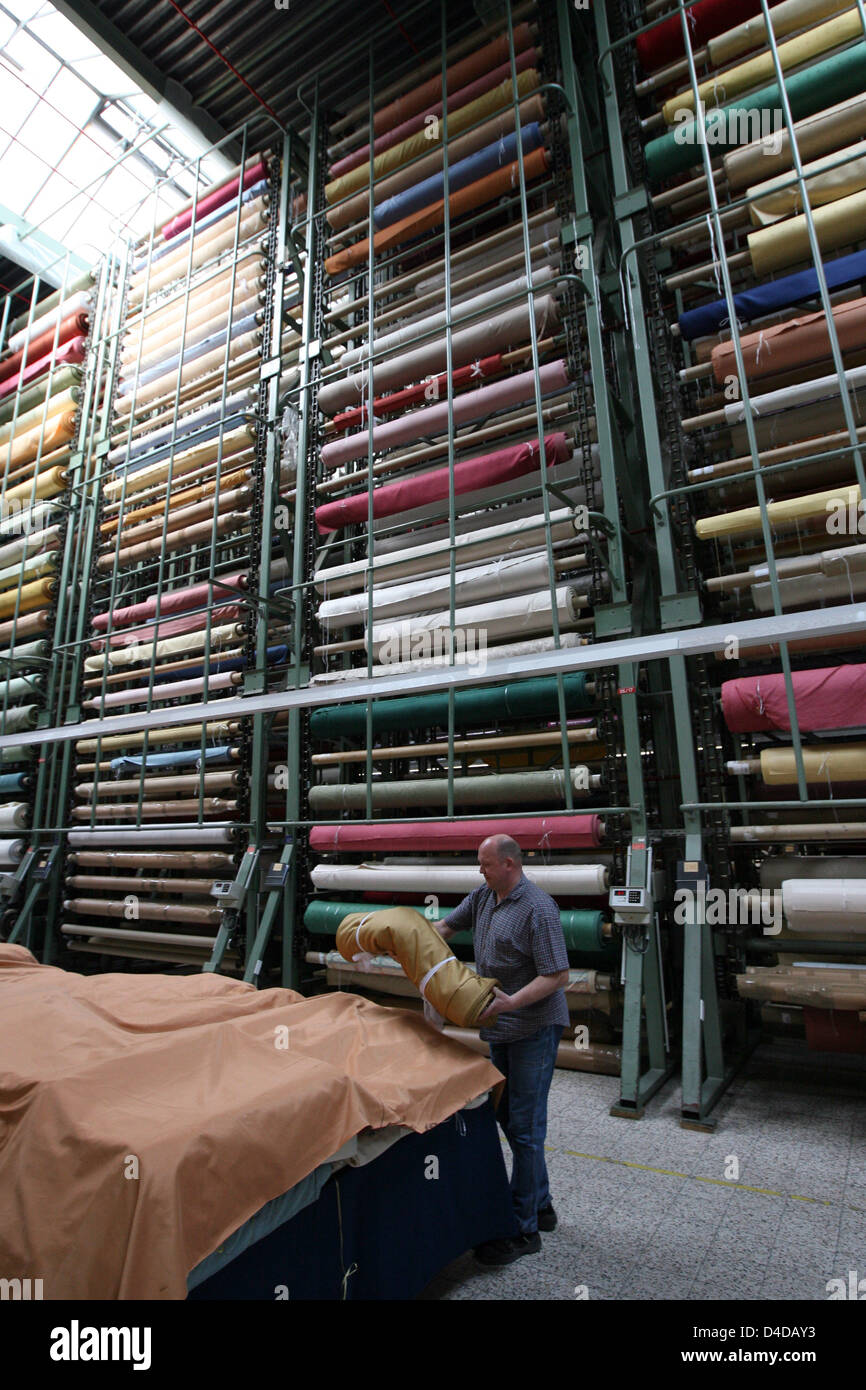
x: 527, y: 1066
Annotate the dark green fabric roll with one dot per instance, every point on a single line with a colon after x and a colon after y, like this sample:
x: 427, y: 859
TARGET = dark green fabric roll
x: 582, y: 929
x: 813, y: 89
x: 517, y: 700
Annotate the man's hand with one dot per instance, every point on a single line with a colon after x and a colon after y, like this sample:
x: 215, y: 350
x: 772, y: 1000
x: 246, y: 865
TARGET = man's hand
x: 500, y: 1004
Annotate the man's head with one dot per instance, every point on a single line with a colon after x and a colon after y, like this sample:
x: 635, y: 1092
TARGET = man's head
x: 501, y: 863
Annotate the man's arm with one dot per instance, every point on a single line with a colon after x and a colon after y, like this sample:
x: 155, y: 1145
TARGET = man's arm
x: 537, y: 989
x: 461, y: 919
x: 551, y: 961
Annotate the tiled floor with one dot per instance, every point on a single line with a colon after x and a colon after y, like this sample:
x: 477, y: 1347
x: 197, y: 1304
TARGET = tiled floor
x: 647, y: 1210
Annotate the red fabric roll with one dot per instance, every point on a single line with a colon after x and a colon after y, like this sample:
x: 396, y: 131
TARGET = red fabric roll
x: 175, y: 601
x: 471, y: 474
x: 71, y: 351
x: 478, y: 371
x: 706, y: 19
x: 174, y: 627
x: 531, y: 832
x: 526, y: 59
x: 214, y: 199
x: 37, y: 347
x: 456, y: 76
x: 831, y: 697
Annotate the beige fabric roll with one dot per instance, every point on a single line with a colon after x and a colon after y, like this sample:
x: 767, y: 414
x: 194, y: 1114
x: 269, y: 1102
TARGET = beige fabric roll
x: 747, y: 521
x: 220, y: 781
x: 826, y: 130
x: 783, y: 244
x: 62, y: 402
x: 147, y: 912
x: 227, y: 522
x: 210, y: 361
x: 169, y: 342
x: 724, y: 87
x: 178, y: 733
x: 158, y: 810
x: 812, y: 987
x: 453, y: 990
x: 823, y: 763
x: 201, y: 309
x: 159, y: 314
x: 230, y: 499
x: 24, y: 448
x: 787, y: 18
x: 168, y: 647
x: 824, y: 184
x: 233, y: 443
x: 212, y: 242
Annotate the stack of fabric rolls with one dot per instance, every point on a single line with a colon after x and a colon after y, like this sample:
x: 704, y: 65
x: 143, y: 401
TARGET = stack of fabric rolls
x: 457, y: 464
x: 769, y: 378
x: 176, y: 581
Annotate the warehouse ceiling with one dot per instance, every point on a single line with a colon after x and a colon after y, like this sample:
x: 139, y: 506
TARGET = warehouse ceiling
x: 227, y: 63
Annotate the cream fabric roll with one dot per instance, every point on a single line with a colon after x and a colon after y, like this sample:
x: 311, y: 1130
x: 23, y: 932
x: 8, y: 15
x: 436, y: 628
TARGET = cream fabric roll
x: 809, y: 590
x: 190, y: 371
x: 169, y: 343
x: 825, y: 908
x: 787, y: 18
x: 210, y: 243
x: 544, y: 237
x: 201, y: 309
x: 839, y: 223
x: 838, y: 125
x: 235, y: 442
x: 465, y: 658
x: 32, y: 568
x: 15, y: 815
x: 161, y: 313
x: 73, y: 304
x: 823, y: 763
x: 722, y: 89
x: 62, y: 402
x: 747, y: 521
x: 511, y: 574
x: 168, y: 647
x: 11, y: 852
x: 153, y: 837
x: 430, y: 558
x: 566, y: 880
x: 803, y: 393
x: 824, y: 185
x: 506, y: 617
x: 30, y: 544
x: 178, y: 733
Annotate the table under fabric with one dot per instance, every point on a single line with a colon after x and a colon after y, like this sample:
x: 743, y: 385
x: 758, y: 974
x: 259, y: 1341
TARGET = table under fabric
x: 145, y: 1118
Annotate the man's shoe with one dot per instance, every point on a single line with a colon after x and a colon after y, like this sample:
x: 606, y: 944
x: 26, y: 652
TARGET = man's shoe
x: 547, y: 1219
x: 505, y: 1252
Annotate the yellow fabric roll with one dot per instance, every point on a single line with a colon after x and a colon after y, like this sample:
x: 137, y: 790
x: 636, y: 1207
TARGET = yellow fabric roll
x: 721, y: 89
x: 747, y: 521
x: 785, y: 243
x: 62, y: 401
x: 419, y: 143
x: 36, y: 595
x: 24, y: 448
x: 454, y: 990
x: 186, y: 462
x: 49, y: 483
x: 180, y: 733
x: 827, y: 130
x: 822, y: 763
x: 788, y: 17
x: 772, y: 202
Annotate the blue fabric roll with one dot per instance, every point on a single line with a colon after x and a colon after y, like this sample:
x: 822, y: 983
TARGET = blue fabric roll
x: 169, y: 364
x: 254, y: 191
x: 776, y: 294
x: 187, y: 757
x: 13, y: 781
x: 464, y: 172
x: 234, y: 663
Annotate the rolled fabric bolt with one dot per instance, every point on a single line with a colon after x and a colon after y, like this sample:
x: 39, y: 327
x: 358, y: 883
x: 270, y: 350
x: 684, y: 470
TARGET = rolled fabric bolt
x: 830, y: 697
x: 567, y: 880
x: 156, y: 810
x: 192, y: 369
x: 147, y: 911
x: 174, y: 601
x: 495, y: 788
x: 433, y: 420
x: 776, y: 868
x: 772, y: 297
x: 505, y: 617
x: 30, y: 400
x: 57, y: 299
x: 840, y: 223
x: 511, y: 574
x: 254, y: 169
x: 166, y: 364
x: 536, y: 832
x: 809, y: 507
x: 483, y: 471
x: 172, y: 646
x: 14, y: 815
x: 511, y: 328
x: 484, y: 190
x: 198, y: 887
x: 257, y: 192
x: 405, y: 142
x: 159, y: 786
x: 14, y: 782
x: 39, y: 594
x: 11, y: 852
x: 34, y: 567
x: 827, y: 180
x: 468, y: 656
x: 213, y: 861
x: 76, y: 303
x: 174, y: 627
x: 188, y: 757
x: 25, y: 651
x: 153, y: 837
x: 793, y: 53
x: 810, y: 591
x: 453, y: 990
x: 781, y: 346
x: 227, y: 523
x: 664, y: 42
x: 814, y: 987
x: 138, y: 695
x: 476, y: 371
x: 829, y: 129
x: 181, y: 733
x: 825, y: 908
x: 24, y: 687
x: 235, y: 444
x: 44, y: 414
x: 69, y: 353
x: 73, y: 326
x: 787, y: 17
x: 823, y: 763
x: 206, y: 244
x: 25, y: 626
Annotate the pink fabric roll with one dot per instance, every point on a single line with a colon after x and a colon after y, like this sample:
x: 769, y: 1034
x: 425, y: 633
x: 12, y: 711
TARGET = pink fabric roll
x: 170, y: 691
x: 471, y: 474
x: 175, y: 627
x: 522, y: 61
x: 830, y: 697
x: 433, y: 420
x: 71, y: 351
x: 530, y: 832
x: 214, y: 199
x: 175, y: 601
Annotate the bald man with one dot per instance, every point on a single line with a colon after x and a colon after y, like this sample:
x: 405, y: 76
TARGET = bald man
x: 517, y: 936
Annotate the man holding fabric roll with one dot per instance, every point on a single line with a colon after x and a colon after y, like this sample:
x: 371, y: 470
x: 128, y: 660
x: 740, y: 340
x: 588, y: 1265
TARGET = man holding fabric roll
x: 518, y: 938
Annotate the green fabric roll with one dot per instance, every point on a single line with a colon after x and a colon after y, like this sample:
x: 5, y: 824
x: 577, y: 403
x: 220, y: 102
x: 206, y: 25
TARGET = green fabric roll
x: 35, y: 396
x: 582, y: 929
x: 503, y: 788
x: 19, y: 717
x: 514, y: 701
x: 813, y: 89
x: 17, y: 755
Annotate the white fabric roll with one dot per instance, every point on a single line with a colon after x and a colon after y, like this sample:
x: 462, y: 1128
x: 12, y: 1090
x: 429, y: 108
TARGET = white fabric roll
x: 507, y: 617
x: 15, y: 815
x: 389, y: 342
x: 546, y: 235
x: 155, y: 837
x: 11, y: 852
x: 27, y: 519
x: 810, y: 589
x: 466, y: 658
x: 73, y: 305
x: 28, y: 545
x: 509, y: 575
x: 432, y: 557
x: 170, y: 646
x: 567, y: 880
x: 31, y: 568
x: 803, y: 393
x: 825, y: 907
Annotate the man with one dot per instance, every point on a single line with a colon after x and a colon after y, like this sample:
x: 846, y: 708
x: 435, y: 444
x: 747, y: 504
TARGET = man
x: 517, y: 935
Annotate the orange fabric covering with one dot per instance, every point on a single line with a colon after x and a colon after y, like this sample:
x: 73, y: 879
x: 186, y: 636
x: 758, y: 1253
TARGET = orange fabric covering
x: 186, y: 1075
x: 484, y: 190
